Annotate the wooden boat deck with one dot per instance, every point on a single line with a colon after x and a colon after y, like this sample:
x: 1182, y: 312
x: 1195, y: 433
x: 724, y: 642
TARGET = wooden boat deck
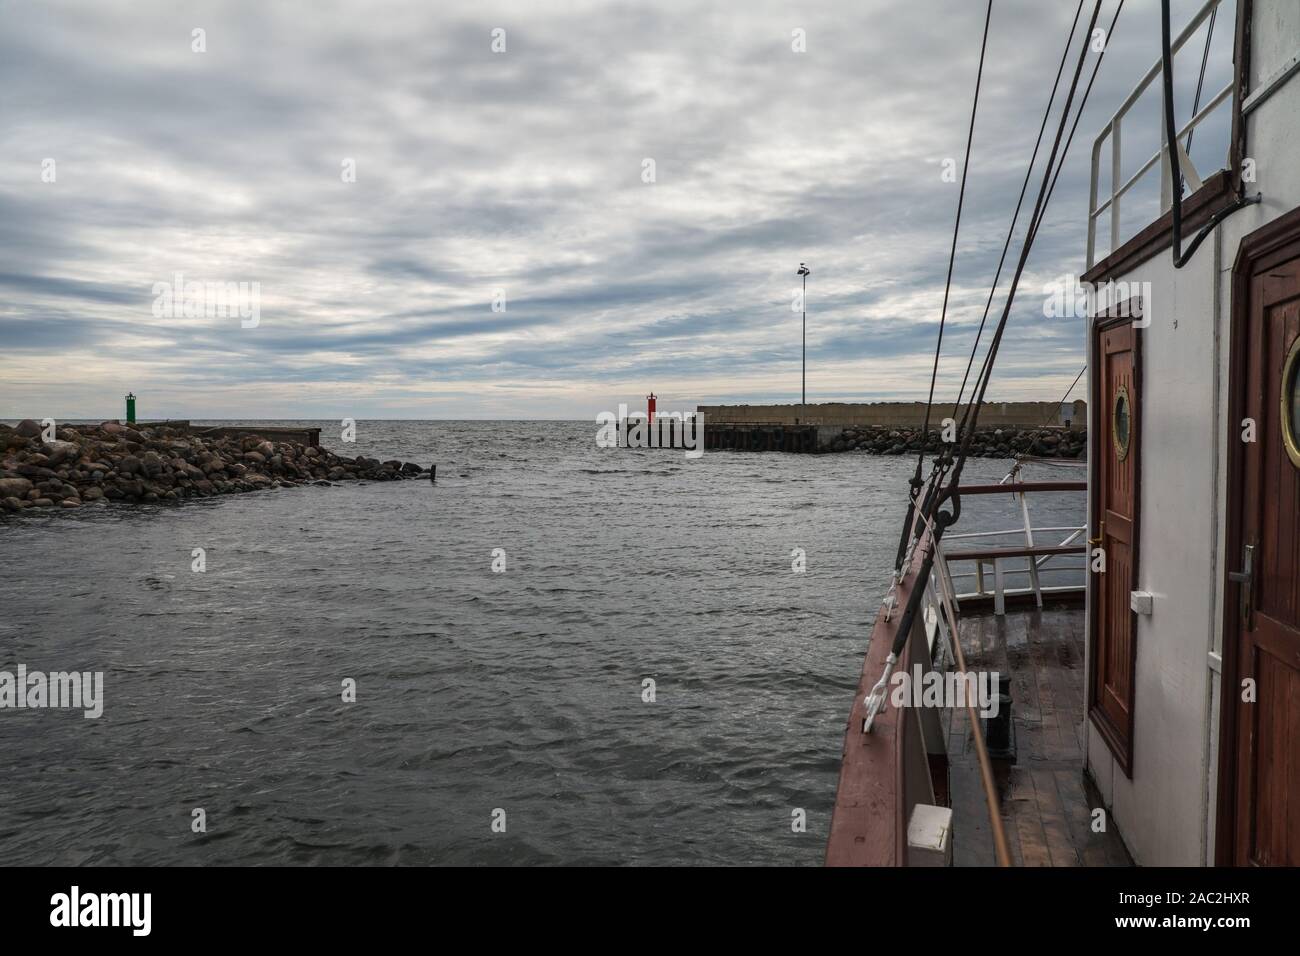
x: 1047, y: 804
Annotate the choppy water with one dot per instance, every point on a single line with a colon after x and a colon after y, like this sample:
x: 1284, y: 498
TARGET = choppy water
x: 476, y: 690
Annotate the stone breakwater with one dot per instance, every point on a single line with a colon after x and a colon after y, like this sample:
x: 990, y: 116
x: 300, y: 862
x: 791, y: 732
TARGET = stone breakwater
x: 988, y: 442
x: 90, y: 464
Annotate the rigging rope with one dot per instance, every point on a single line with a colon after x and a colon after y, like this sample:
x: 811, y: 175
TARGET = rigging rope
x: 943, y: 519
x: 1071, y: 388
x: 1200, y: 82
x: 944, y: 461
x: 952, y: 252
x: 916, y: 481
x: 1029, y: 172
x: 971, y: 415
x: 1078, y: 116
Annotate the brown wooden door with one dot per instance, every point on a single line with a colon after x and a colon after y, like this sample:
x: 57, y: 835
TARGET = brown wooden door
x: 1266, y: 608
x: 1115, y: 443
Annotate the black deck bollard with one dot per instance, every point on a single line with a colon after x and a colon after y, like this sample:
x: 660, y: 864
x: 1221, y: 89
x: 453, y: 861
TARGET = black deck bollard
x: 997, y: 730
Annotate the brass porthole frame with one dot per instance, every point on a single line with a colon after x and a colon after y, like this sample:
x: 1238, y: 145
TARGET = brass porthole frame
x: 1121, y: 448
x: 1286, y: 415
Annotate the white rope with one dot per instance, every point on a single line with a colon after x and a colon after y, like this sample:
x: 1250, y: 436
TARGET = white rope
x: 891, y: 601
x: 875, y: 700
x: 1059, y: 462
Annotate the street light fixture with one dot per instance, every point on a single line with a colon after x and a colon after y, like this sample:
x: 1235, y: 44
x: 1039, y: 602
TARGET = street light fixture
x: 804, y: 272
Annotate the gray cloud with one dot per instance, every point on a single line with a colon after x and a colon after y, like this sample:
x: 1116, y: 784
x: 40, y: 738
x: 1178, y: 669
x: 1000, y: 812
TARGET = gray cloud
x: 521, y: 172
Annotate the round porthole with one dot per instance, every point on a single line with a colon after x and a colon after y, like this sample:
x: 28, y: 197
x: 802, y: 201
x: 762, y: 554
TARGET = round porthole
x: 1290, y: 410
x: 1121, y: 423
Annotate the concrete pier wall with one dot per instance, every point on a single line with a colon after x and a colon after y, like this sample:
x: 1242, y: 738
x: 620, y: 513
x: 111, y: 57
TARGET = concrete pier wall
x: 303, y: 436
x: 272, y: 433
x: 993, y: 414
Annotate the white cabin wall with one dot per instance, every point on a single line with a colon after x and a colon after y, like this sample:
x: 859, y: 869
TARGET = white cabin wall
x: 1166, y: 811
x: 1157, y: 812
x: 1272, y: 141
x: 1274, y: 28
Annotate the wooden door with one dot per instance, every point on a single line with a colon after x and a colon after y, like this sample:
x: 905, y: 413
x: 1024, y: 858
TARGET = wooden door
x: 1115, y: 448
x: 1263, y: 631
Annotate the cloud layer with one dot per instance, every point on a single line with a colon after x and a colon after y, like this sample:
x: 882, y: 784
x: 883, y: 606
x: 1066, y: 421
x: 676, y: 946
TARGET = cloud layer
x: 519, y: 175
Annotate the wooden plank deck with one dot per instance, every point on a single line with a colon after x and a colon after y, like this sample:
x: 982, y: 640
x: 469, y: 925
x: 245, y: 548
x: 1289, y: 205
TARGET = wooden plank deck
x: 1047, y: 803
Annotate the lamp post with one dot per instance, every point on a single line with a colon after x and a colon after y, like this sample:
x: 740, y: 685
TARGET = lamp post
x: 804, y: 272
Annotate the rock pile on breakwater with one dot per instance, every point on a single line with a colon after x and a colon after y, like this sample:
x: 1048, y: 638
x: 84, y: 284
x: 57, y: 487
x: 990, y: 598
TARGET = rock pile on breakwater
x: 1005, y: 442
x: 88, y: 464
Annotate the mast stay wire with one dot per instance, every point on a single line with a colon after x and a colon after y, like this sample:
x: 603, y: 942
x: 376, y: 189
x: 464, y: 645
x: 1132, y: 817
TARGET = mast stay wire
x: 916, y: 482
x: 971, y: 414
x: 1200, y: 82
x: 1029, y: 172
x: 943, y: 519
x: 944, y: 462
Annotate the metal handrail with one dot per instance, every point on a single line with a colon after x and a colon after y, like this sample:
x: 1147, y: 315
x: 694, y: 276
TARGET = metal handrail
x: 1018, y: 487
x: 946, y: 607
x: 995, y: 534
x: 1114, y: 130
x: 1034, y: 557
x: 891, y: 744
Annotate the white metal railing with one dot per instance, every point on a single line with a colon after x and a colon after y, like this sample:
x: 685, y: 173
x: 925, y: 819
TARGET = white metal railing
x: 1034, y: 566
x: 1113, y: 129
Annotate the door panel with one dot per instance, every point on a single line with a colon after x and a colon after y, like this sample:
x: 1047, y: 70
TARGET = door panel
x: 1117, y: 404
x: 1267, y: 625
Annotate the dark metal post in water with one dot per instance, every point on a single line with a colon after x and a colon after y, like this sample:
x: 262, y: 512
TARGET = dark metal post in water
x: 433, y: 472
x: 804, y: 271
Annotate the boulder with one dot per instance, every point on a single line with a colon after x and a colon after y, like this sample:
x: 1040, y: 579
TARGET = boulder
x: 58, y: 452
x: 14, y: 487
x: 116, y: 462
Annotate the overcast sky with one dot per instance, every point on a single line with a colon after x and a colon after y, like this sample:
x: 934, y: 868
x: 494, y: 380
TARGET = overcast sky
x: 521, y: 174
